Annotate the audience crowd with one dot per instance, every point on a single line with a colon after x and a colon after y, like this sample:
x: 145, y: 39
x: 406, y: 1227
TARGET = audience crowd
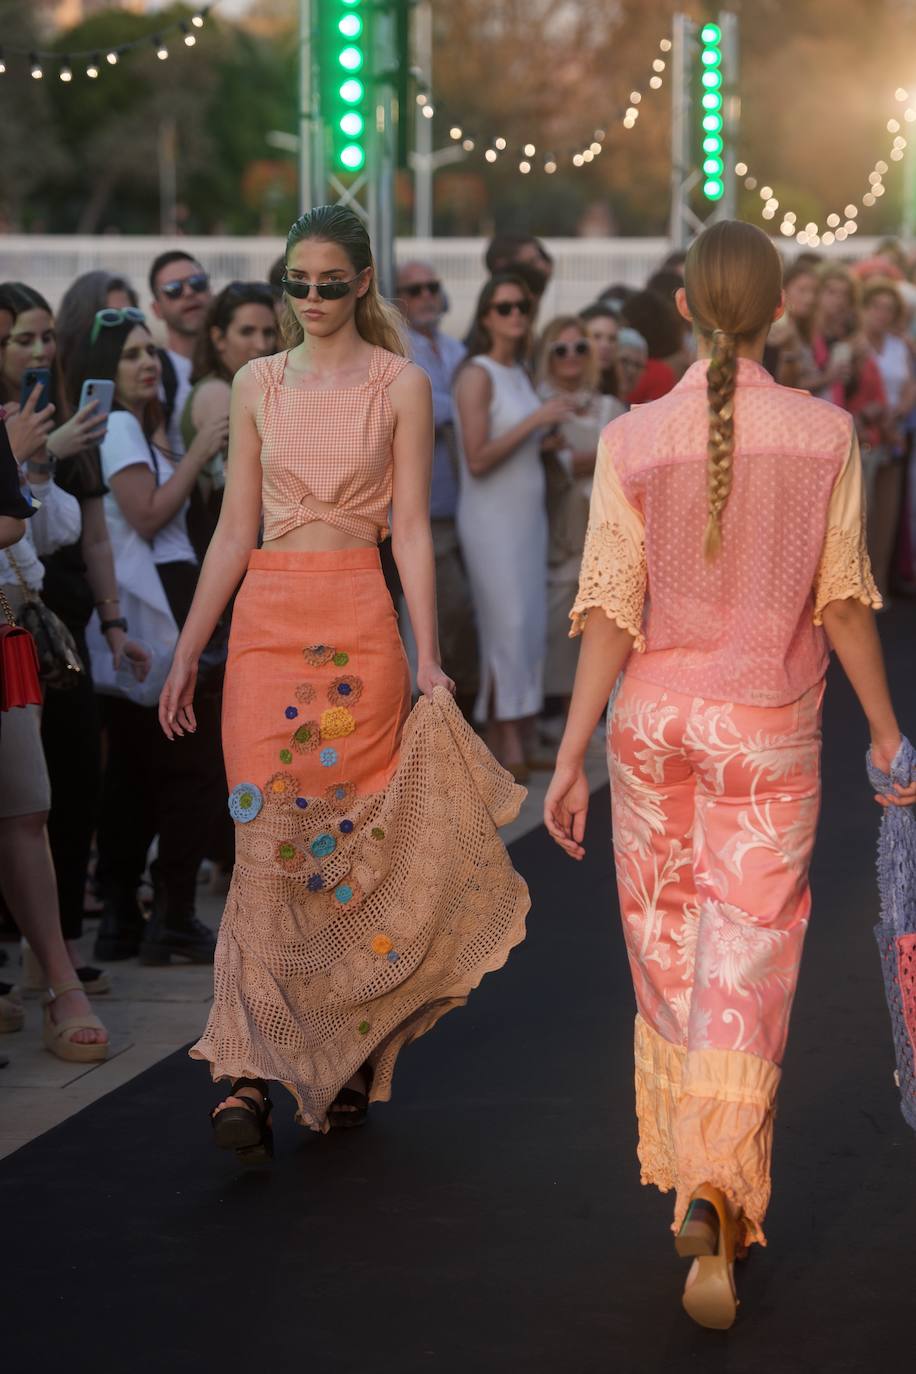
x: 113, y: 435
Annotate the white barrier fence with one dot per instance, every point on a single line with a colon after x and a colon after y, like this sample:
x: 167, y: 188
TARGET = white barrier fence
x: 583, y: 267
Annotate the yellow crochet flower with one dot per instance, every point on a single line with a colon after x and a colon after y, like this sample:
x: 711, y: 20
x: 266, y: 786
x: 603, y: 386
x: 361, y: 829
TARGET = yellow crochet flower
x: 336, y: 723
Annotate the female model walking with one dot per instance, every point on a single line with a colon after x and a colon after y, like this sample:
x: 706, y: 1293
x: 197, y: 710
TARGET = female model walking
x: 370, y: 892
x: 726, y: 530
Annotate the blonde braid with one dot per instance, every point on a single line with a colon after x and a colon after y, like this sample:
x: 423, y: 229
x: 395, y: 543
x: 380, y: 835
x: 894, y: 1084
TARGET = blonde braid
x: 720, y: 387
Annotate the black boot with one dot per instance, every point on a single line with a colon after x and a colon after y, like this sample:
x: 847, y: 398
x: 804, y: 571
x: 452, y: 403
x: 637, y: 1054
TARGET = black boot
x: 173, y: 929
x: 122, y: 925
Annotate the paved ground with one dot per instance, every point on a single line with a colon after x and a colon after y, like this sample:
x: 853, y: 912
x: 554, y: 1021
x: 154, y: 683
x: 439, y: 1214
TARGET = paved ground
x: 150, y: 1012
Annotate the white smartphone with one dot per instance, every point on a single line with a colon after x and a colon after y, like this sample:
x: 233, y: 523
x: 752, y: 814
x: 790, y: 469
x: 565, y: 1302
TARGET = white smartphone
x: 101, y: 391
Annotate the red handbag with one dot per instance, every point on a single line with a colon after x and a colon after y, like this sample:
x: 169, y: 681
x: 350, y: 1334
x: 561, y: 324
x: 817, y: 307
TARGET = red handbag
x: 19, y: 681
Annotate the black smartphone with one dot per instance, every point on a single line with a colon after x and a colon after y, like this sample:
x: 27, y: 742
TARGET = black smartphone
x: 32, y: 377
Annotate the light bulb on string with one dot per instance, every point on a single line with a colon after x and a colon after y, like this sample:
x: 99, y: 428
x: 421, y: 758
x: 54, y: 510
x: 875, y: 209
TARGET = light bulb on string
x: 35, y: 67
x: 162, y: 51
x: 550, y: 166
x: 909, y: 116
x: 833, y: 221
x: 896, y: 155
x: 659, y: 65
x: 665, y: 45
x: 595, y: 148
x: 841, y: 235
x: 524, y: 168
x: 500, y: 144
x: 428, y: 112
x: 198, y: 20
x: 881, y: 167
x: 530, y: 150
x: 901, y: 95
x: 454, y: 132
x: 851, y: 211
x: 635, y: 97
x: 468, y: 145
x: 740, y: 169
x: 578, y: 160
x: 655, y: 82
x: 766, y: 193
x: 893, y: 126
x: 92, y: 68
x: 2, y: 62
x: 112, y: 58
x: 827, y: 239
x: 66, y: 71
x: 868, y: 199
x: 491, y: 155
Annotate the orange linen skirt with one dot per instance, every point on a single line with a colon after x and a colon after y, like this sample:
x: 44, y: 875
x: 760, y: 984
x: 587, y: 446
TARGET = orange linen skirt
x: 371, y: 892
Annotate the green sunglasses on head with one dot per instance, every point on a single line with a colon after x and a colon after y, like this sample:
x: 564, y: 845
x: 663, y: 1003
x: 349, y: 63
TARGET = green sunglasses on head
x: 110, y: 316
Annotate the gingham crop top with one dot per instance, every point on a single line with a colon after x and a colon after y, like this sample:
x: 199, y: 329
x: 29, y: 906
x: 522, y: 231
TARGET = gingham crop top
x: 331, y: 446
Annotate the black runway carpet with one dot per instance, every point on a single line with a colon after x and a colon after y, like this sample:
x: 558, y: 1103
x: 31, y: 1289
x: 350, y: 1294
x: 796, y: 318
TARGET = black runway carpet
x: 491, y: 1218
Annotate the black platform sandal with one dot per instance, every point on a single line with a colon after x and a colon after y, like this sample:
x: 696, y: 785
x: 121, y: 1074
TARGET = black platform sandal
x: 247, y: 1130
x: 357, y: 1102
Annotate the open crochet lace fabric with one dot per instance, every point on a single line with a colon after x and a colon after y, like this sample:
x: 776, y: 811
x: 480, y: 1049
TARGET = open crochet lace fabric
x: 343, y: 941
x: 896, y: 930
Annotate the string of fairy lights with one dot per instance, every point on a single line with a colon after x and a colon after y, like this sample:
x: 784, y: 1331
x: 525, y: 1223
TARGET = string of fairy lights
x: 94, y: 62
x: 839, y: 227
x: 496, y: 146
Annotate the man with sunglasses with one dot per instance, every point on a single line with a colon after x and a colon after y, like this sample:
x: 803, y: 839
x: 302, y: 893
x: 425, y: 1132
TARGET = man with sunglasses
x: 181, y: 298
x: 423, y: 303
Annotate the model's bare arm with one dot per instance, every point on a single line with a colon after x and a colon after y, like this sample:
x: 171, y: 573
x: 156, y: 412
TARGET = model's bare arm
x: 853, y: 635
x: 411, y: 538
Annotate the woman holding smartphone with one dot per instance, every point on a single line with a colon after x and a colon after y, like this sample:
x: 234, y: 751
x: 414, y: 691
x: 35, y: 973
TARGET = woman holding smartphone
x: 370, y: 893
x: 149, y: 790
x: 78, y: 576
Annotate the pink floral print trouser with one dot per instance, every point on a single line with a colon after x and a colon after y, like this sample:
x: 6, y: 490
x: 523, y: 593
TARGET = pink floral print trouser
x: 715, y: 808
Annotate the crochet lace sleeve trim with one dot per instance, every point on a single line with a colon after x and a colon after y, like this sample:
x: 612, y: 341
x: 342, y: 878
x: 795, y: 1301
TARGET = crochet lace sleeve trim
x: 611, y: 581
x: 844, y: 572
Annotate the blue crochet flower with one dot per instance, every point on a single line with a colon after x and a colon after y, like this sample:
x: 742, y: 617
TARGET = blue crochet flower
x: 343, y: 893
x: 245, y: 801
x: 323, y: 845
x: 291, y: 713
x: 315, y: 883
x: 346, y: 826
x: 328, y: 758
x: 393, y: 956
x: 302, y: 803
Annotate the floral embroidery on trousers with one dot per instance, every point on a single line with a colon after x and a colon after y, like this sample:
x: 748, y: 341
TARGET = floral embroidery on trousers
x: 715, y: 808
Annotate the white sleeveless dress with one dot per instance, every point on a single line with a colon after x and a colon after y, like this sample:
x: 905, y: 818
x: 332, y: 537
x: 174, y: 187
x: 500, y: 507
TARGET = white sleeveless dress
x: 502, y: 525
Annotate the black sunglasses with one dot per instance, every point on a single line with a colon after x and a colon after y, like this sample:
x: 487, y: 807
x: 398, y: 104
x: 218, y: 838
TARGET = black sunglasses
x: 579, y: 350
x: 506, y: 307
x: 197, y: 284
x: 417, y: 288
x: 327, y: 290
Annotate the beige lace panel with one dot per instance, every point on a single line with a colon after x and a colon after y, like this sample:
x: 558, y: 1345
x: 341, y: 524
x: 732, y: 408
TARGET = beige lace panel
x: 341, y: 943
x: 613, y: 577
x: 844, y: 572
x: 706, y: 1117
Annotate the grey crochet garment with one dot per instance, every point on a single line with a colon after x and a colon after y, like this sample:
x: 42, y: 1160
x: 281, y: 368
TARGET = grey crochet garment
x: 896, y: 930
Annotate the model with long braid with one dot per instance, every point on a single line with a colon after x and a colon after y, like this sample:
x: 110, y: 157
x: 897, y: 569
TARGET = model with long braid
x: 725, y: 538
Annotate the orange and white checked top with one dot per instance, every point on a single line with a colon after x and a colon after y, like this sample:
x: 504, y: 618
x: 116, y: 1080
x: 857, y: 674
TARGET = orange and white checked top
x: 745, y: 628
x: 328, y: 446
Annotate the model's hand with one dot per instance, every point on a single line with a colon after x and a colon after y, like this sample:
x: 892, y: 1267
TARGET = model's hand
x: 566, y: 808
x: 176, y: 704
x: 883, y: 753
x: 430, y: 676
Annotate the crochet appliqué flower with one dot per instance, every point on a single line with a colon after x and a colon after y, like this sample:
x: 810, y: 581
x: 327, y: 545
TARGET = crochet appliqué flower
x: 381, y: 944
x: 288, y: 856
x: 317, y: 655
x: 315, y: 883
x: 336, y: 723
x: 341, y: 659
x: 245, y: 801
x: 345, y: 691
x: 323, y: 845
x: 280, y: 786
x: 340, y: 794
x: 306, y: 738
x: 343, y: 893
x: 328, y: 758
x: 305, y: 693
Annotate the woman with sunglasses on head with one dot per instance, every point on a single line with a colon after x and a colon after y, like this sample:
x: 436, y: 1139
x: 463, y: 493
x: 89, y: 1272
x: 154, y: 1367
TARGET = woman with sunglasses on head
x: 725, y: 538
x: 147, y: 789
x: 370, y: 892
x: 567, y: 365
x: 78, y: 577
x: 502, y: 516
